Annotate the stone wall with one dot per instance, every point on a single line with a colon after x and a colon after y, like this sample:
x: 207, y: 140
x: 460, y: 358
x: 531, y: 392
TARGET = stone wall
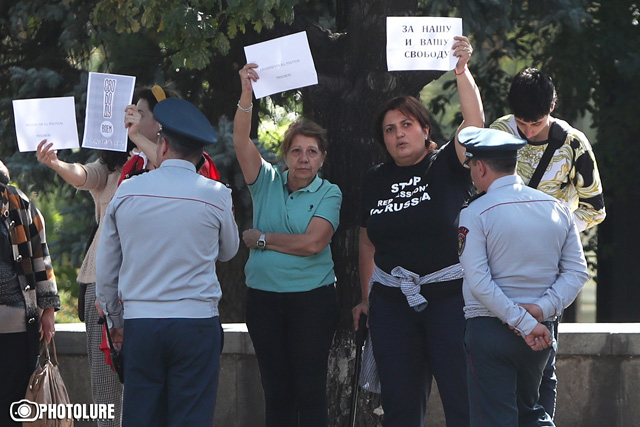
x: 598, y: 373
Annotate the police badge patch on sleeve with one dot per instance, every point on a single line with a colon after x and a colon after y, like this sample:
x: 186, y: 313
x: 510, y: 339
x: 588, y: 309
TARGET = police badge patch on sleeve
x: 462, y: 238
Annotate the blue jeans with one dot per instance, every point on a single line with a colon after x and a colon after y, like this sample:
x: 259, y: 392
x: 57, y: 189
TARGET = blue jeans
x: 504, y: 375
x: 292, y: 333
x: 411, y: 348
x: 171, y: 369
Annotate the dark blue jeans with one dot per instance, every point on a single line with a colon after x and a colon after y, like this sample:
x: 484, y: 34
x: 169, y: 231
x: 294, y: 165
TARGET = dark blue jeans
x: 292, y: 333
x: 504, y: 376
x: 411, y: 348
x: 171, y: 369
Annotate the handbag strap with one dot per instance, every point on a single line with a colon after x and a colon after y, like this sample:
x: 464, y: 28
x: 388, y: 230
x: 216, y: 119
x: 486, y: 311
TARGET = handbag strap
x: 55, y: 353
x: 557, y: 136
x: 109, y: 337
x: 44, y: 351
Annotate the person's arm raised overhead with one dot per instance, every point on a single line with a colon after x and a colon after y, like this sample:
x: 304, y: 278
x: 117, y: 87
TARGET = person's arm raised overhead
x: 470, y: 99
x: 132, y: 123
x: 248, y: 155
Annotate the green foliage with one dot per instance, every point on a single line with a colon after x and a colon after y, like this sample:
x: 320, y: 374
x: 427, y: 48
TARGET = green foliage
x: 274, y: 121
x: 194, y: 32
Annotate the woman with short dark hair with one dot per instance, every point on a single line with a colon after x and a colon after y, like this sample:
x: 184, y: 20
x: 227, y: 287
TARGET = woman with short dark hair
x: 292, y: 311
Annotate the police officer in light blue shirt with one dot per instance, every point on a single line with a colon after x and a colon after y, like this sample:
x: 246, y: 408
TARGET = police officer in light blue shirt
x: 162, y: 234
x: 523, y: 265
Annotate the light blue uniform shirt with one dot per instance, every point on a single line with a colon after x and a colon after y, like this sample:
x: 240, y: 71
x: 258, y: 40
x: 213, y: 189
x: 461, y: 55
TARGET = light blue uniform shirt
x: 162, y: 234
x: 519, y: 245
x: 277, y: 211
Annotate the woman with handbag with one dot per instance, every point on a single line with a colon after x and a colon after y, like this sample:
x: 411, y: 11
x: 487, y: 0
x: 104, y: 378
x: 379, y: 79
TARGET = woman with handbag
x: 292, y: 309
x: 28, y: 294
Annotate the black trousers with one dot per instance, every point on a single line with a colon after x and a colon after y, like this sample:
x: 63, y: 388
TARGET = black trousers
x: 292, y: 334
x: 15, y: 370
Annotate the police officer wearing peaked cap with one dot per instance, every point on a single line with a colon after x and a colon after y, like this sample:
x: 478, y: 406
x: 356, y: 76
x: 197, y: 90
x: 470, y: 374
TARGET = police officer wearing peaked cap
x: 182, y: 119
x: 523, y: 265
x: 184, y: 223
x: 483, y: 143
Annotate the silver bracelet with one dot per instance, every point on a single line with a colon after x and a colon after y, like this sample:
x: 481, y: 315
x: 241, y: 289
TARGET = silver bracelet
x: 246, y: 110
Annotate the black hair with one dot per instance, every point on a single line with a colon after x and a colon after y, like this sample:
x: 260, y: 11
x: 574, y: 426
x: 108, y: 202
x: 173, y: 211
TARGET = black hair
x: 531, y: 95
x: 410, y: 107
x: 185, y: 148
x: 147, y: 94
x: 115, y: 159
x: 501, y: 165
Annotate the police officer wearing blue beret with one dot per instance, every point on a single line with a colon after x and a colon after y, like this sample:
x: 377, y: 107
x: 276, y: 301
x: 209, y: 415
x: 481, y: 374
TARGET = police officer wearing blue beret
x: 156, y: 275
x: 523, y: 265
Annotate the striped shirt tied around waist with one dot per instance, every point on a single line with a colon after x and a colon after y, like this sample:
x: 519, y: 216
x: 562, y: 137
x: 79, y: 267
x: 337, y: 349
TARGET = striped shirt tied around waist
x: 409, y: 282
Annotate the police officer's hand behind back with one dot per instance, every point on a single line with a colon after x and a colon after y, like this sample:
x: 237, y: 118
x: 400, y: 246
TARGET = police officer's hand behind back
x: 534, y: 310
x: 539, y: 338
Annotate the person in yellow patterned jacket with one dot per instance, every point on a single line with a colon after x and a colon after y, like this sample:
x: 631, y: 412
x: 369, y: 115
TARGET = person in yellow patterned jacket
x: 572, y: 174
x: 558, y: 160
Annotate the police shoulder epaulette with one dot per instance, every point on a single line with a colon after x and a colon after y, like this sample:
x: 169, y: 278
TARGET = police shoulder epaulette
x: 474, y: 197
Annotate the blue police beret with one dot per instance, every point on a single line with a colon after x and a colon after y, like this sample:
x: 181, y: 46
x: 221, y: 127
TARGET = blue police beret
x: 183, y: 119
x: 489, y: 143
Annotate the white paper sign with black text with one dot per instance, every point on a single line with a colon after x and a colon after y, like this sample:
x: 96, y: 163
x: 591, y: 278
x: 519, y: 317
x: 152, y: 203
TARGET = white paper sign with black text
x: 107, y: 97
x: 53, y: 119
x: 421, y: 43
x: 284, y: 64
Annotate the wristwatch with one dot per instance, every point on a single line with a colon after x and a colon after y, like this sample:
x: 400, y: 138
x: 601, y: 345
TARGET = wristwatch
x: 262, y: 243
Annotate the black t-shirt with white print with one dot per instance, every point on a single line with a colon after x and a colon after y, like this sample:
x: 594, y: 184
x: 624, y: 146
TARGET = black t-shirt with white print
x: 411, y: 212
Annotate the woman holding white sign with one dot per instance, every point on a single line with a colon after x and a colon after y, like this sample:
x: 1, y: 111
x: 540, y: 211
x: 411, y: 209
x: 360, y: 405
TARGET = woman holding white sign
x: 410, y: 275
x: 292, y: 312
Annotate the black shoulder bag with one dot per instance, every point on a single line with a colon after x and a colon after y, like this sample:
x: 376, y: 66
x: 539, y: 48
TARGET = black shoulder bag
x: 557, y: 137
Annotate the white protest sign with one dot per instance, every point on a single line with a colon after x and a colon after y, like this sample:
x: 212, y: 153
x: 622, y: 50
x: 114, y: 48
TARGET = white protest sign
x: 53, y: 119
x: 284, y: 63
x: 421, y: 43
x: 107, y: 97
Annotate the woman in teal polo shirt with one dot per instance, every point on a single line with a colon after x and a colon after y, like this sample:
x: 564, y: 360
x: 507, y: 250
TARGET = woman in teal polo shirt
x: 292, y: 311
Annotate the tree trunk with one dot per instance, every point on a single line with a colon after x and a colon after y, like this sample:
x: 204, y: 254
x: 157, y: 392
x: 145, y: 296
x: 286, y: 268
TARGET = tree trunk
x: 618, y: 129
x: 353, y: 83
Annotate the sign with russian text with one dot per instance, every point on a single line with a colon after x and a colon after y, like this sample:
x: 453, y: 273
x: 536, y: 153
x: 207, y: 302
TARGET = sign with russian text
x: 53, y: 119
x: 421, y: 43
x: 107, y: 97
x: 284, y: 64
